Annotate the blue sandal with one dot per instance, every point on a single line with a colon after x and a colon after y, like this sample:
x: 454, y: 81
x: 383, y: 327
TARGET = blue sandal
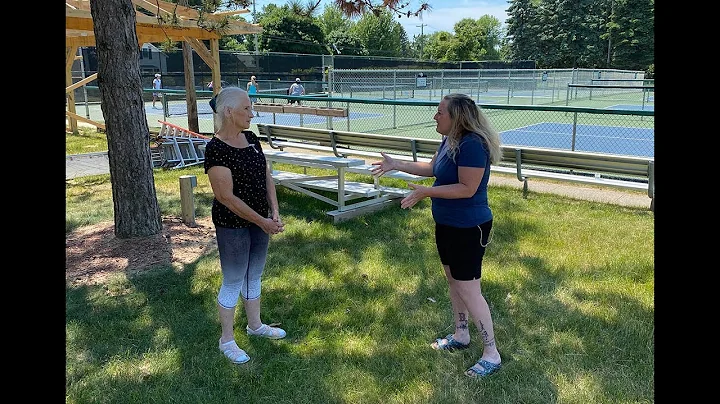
x: 448, y: 344
x: 487, y: 369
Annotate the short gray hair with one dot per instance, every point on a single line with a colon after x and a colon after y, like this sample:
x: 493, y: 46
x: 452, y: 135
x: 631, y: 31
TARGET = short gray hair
x: 228, y: 97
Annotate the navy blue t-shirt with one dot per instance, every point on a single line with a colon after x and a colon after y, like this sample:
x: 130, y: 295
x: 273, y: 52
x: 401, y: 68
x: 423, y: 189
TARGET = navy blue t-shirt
x: 465, y: 212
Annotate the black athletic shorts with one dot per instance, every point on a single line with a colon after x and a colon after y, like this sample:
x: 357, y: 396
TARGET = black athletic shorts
x: 462, y: 249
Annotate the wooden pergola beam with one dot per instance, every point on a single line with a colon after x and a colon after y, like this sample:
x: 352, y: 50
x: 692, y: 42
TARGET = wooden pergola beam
x: 80, y: 40
x: 82, y: 119
x: 79, y: 32
x: 230, y: 12
x: 201, y: 50
x: 81, y: 82
x: 167, y: 8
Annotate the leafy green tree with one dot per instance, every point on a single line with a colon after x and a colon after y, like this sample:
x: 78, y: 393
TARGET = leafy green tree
x: 439, y: 46
x: 476, y: 39
x: 473, y: 40
x: 417, y: 46
x: 548, y: 44
x: 346, y: 42
x: 633, y: 30
x: 570, y: 31
x: 468, y: 40
x: 492, y: 31
x: 332, y: 19
x: 231, y: 43
x: 404, y: 41
x: 296, y: 7
x: 581, y: 33
x: 286, y: 30
x: 237, y: 42
x: 522, y: 30
x: 594, y: 52
x: 336, y: 28
x: 380, y: 34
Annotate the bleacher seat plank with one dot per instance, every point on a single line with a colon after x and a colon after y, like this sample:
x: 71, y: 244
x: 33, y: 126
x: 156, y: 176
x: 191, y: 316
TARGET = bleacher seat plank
x: 366, y: 169
x: 357, y: 188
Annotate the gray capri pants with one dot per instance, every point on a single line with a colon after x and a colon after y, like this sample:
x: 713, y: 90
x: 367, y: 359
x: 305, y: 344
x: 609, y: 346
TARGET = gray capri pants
x: 243, y: 253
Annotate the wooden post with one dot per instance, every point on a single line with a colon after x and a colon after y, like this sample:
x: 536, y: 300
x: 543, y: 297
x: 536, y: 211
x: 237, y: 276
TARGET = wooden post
x: 70, y: 95
x: 187, y: 199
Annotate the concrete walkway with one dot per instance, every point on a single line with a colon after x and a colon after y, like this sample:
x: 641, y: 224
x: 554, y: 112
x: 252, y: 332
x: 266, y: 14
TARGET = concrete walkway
x: 587, y: 193
x: 80, y: 165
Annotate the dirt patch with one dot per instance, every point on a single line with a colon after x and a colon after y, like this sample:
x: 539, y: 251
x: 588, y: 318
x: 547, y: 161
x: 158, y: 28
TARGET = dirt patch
x: 93, y: 252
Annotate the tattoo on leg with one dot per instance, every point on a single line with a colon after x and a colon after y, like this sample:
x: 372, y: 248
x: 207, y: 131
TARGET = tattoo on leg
x: 462, y: 321
x: 487, y: 341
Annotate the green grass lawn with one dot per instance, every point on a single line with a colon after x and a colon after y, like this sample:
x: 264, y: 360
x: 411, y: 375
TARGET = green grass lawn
x: 570, y: 284
x: 88, y: 140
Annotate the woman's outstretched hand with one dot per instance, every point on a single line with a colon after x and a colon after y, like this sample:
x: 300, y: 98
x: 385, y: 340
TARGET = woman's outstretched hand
x: 383, y: 166
x: 415, y: 196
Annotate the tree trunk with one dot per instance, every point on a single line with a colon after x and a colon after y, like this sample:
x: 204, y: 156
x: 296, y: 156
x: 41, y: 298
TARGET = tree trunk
x: 137, y: 213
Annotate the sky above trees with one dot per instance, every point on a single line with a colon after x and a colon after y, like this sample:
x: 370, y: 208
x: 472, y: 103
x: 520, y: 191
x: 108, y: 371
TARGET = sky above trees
x: 442, y: 17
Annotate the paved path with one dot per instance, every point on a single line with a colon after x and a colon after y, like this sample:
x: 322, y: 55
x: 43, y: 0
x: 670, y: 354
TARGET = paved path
x: 80, y: 165
x: 609, y: 195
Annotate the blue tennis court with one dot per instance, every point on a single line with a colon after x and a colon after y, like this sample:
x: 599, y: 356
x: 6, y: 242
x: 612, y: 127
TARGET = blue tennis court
x: 180, y: 108
x: 176, y: 108
x: 628, y: 107
x: 588, y: 138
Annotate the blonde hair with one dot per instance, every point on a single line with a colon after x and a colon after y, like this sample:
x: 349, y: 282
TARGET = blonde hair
x: 228, y: 97
x: 466, y: 116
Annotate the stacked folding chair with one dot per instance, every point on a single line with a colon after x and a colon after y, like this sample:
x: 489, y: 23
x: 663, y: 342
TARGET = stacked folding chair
x: 180, y: 147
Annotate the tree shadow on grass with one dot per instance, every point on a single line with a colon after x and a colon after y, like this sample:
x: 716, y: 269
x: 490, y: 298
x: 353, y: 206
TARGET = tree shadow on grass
x: 359, y: 330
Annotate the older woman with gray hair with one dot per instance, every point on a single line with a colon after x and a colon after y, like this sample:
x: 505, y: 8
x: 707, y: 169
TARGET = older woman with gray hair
x: 245, y: 213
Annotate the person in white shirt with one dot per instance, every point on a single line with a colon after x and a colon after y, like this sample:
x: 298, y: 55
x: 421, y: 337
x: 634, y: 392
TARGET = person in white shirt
x: 157, y: 84
x: 296, y: 89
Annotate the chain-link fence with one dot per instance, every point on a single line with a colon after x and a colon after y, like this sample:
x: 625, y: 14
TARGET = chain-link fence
x: 629, y: 130
x: 487, y: 86
x: 577, y: 87
x: 534, y: 107
x: 272, y: 69
x: 514, y: 82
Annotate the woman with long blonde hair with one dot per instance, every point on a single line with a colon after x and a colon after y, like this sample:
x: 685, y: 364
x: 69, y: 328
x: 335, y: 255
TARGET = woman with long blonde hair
x: 463, y: 219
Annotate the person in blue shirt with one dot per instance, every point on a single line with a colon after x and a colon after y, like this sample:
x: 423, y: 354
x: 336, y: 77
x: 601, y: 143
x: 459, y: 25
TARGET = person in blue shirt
x: 462, y: 215
x: 252, y: 90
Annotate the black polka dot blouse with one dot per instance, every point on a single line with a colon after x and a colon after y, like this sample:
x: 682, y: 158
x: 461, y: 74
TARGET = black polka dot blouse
x: 247, y: 166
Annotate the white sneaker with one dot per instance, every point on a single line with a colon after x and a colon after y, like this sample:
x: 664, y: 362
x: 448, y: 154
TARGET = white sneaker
x: 233, y: 352
x: 267, y: 332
